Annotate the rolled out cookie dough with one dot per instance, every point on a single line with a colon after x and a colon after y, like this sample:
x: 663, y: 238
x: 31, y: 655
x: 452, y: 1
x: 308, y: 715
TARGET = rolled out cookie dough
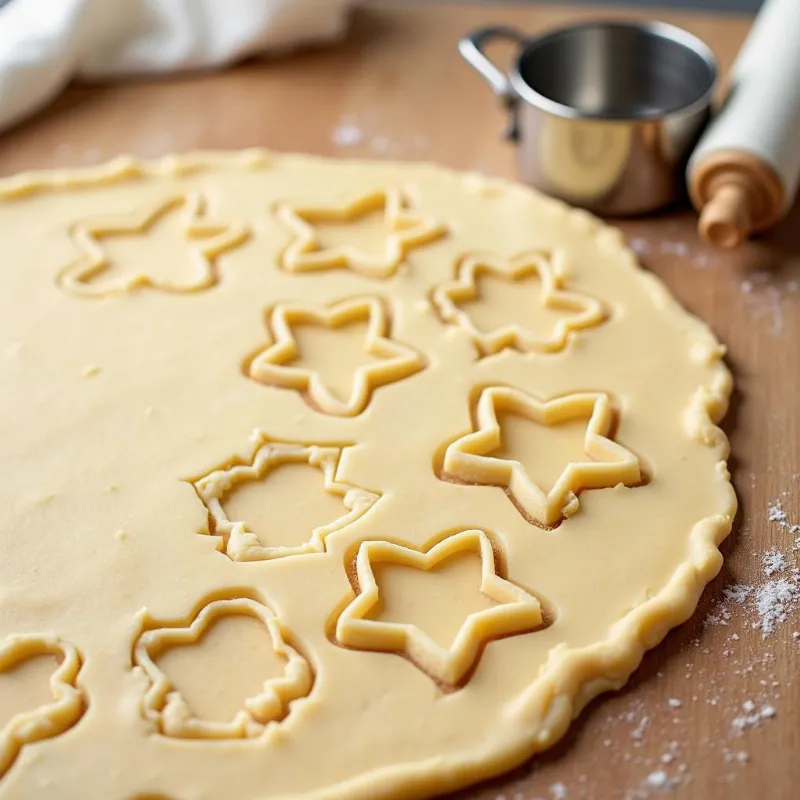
x: 331, y: 479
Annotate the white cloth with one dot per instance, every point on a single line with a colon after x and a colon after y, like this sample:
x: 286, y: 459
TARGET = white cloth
x: 45, y: 43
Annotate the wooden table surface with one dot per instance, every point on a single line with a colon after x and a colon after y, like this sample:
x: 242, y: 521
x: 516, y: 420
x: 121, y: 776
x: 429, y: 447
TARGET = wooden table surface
x: 397, y: 89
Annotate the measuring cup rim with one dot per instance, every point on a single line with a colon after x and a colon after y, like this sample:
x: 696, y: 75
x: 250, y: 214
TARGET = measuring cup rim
x: 663, y: 30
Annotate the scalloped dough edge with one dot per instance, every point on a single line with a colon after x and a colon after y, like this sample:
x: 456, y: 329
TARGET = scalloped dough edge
x: 570, y: 679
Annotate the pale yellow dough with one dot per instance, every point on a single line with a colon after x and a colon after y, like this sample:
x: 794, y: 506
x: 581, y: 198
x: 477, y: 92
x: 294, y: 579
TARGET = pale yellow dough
x: 331, y: 479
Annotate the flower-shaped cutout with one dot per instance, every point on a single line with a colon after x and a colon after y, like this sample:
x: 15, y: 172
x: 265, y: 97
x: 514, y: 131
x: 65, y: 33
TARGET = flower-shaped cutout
x: 513, y: 610
x: 237, y: 539
x: 407, y: 230
x: 567, y: 312
x: 50, y: 719
x: 164, y: 705
x: 470, y: 459
x: 391, y: 360
x: 91, y: 274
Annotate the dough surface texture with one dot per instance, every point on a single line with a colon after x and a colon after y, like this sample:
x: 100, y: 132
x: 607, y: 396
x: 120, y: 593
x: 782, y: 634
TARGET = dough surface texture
x: 331, y: 479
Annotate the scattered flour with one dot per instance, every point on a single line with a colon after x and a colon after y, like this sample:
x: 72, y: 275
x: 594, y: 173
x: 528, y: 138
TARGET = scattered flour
x: 673, y: 702
x: 774, y: 601
x: 638, y: 244
x: 641, y: 246
x: 767, y: 302
x: 719, y: 616
x: 737, y: 592
x: 739, y: 756
x: 775, y: 513
x: 752, y: 717
x: 774, y: 561
x: 352, y: 131
x: 639, y: 731
x: 347, y: 134
x: 558, y: 791
x: 658, y: 780
x: 675, y: 248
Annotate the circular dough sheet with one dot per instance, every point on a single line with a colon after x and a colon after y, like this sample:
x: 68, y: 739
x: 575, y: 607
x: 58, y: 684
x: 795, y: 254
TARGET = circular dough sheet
x: 332, y: 479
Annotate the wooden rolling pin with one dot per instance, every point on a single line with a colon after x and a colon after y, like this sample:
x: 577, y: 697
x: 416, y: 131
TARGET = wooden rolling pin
x: 745, y: 171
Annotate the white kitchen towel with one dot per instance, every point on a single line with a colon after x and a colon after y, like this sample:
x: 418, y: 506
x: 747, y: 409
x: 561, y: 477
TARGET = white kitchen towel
x: 45, y: 43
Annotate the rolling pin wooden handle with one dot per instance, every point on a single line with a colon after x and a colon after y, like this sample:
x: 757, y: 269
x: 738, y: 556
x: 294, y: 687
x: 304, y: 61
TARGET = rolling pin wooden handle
x: 745, y: 170
x: 725, y: 219
x: 737, y: 194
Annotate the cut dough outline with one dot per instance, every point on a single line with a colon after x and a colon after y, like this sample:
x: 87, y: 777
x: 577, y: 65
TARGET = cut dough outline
x: 468, y: 459
x: 208, y: 238
x: 168, y: 711
x: 409, y: 230
x: 448, y: 298
x: 272, y: 366
x: 51, y: 719
x: 569, y: 682
x: 240, y: 543
x: 516, y: 611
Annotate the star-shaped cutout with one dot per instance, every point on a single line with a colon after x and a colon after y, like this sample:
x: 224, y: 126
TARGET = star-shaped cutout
x: 165, y: 707
x: 515, y: 611
x: 52, y: 718
x: 469, y: 459
x: 274, y: 367
x: 237, y: 539
x: 577, y: 311
x: 207, y: 239
x: 408, y: 230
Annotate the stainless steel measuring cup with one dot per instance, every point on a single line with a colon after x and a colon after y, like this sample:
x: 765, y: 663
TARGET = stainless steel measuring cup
x: 605, y: 114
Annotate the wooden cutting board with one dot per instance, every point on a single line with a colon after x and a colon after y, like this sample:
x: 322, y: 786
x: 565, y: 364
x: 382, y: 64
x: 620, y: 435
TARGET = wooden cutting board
x: 397, y: 89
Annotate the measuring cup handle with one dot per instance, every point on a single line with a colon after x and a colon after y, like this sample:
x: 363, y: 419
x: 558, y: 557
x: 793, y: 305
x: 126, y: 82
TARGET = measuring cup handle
x: 471, y: 49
